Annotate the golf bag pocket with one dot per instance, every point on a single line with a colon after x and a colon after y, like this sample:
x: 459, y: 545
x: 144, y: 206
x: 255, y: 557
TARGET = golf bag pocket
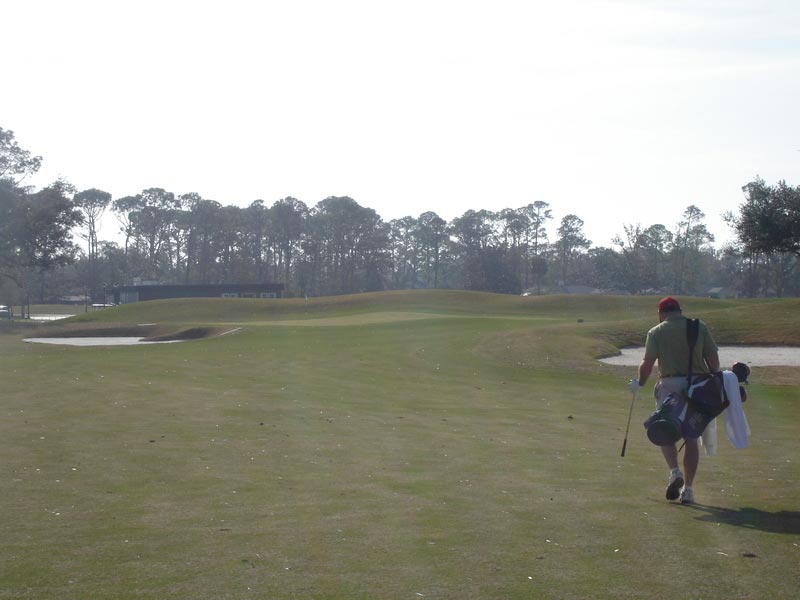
x: 707, y: 395
x: 707, y: 400
x: 694, y: 423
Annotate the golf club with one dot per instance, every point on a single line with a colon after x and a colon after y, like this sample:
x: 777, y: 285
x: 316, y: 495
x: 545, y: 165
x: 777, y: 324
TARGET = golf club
x: 627, y: 428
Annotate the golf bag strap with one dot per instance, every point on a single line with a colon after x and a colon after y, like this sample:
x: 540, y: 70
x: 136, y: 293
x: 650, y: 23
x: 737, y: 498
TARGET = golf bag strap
x: 692, y: 329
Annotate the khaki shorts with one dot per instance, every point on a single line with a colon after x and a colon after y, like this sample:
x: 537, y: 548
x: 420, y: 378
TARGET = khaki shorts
x: 670, y: 385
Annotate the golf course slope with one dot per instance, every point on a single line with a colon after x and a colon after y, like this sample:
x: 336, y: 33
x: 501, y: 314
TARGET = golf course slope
x: 421, y: 444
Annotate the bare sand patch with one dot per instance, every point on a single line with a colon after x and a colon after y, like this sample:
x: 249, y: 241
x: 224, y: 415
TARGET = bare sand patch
x: 96, y: 341
x: 121, y: 337
x: 756, y: 356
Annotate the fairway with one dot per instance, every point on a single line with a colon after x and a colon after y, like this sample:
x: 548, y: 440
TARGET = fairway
x: 400, y: 445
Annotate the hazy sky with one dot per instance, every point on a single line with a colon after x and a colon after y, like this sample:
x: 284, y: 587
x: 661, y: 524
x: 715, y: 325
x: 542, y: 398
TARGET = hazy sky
x: 616, y: 111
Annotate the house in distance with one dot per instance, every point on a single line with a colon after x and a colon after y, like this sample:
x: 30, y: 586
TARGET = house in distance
x: 138, y: 293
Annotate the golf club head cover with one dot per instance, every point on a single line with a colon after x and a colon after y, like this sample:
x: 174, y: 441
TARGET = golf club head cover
x: 742, y: 371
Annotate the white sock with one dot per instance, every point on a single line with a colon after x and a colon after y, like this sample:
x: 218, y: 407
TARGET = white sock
x: 674, y: 471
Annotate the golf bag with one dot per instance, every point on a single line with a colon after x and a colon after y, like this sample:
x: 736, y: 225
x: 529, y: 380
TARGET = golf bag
x: 687, y: 416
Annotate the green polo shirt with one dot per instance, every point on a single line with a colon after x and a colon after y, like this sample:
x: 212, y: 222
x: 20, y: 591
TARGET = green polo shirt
x: 666, y: 342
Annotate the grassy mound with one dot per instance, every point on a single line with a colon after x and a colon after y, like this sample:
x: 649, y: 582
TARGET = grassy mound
x: 436, y: 302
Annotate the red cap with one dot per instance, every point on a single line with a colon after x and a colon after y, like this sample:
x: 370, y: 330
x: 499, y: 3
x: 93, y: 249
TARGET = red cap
x: 668, y: 304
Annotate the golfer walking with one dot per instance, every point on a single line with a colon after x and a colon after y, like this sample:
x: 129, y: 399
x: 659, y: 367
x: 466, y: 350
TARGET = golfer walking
x: 667, y: 343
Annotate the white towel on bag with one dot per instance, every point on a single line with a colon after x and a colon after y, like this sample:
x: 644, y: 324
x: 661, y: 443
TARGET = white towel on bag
x: 736, y: 425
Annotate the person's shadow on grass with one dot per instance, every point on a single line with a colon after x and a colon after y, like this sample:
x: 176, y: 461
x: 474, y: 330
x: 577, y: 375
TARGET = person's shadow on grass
x: 784, y: 521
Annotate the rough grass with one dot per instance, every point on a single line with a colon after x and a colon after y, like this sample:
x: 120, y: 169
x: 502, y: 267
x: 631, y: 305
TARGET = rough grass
x: 472, y: 453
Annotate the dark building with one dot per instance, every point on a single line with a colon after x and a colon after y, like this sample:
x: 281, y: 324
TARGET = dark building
x: 139, y: 293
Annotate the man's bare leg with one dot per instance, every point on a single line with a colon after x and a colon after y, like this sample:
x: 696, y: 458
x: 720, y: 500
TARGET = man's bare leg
x: 671, y: 456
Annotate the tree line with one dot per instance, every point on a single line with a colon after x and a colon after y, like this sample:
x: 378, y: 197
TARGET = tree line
x: 51, y: 244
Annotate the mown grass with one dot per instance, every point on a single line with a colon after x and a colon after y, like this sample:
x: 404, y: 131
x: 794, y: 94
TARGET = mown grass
x: 333, y: 452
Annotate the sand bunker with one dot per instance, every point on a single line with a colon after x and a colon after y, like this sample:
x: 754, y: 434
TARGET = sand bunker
x: 97, y: 341
x: 142, y: 334
x: 755, y: 356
